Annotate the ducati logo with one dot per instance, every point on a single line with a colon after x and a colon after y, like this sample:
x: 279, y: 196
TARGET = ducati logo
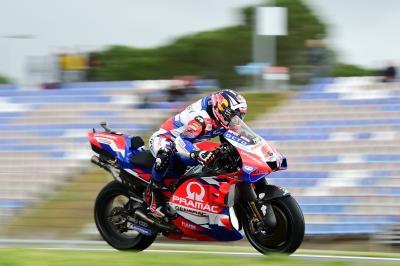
x: 194, y: 195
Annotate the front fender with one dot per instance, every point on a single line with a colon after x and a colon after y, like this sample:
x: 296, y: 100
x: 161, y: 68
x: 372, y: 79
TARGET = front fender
x: 270, y: 192
x: 267, y: 192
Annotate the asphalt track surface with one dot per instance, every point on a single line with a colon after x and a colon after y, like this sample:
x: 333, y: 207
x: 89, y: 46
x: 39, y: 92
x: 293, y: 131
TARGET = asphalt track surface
x: 100, y: 246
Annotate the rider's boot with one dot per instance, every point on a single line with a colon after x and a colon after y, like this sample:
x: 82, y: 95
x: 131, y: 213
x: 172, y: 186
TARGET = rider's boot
x: 154, y: 198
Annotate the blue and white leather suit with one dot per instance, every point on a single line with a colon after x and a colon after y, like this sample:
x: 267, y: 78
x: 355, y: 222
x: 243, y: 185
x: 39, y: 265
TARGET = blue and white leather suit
x: 193, y: 125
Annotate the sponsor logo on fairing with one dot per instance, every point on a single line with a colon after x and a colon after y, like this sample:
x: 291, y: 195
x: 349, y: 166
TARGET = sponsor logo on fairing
x: 194, y: 204
x: 189, y: 225
x: 194, y: 200
x: 143, y: 230
x: 195, y: 195
x: 236, y: 139
x: 191, y: 211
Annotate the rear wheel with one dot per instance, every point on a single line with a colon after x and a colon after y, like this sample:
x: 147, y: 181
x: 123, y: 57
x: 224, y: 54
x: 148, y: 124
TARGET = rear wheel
x: 288, y: 234
x: 110, y: 213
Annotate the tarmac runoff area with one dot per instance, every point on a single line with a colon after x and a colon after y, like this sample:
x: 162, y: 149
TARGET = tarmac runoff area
x: 100, y: 246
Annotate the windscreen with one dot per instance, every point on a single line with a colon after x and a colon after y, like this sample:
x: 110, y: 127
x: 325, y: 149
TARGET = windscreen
x: 256, y: 144
x: 238, y: 126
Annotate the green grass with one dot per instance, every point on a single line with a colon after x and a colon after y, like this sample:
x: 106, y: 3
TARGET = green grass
x: 244, y: 246
x: 260, y: 102
x: 31, y: 257
x: 63, y: 214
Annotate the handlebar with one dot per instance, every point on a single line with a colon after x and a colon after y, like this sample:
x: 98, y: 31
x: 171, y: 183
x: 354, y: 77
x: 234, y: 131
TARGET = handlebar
x: 227, y: 159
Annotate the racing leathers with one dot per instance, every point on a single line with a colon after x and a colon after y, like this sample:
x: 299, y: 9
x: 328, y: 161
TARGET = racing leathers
x: 193, y: 125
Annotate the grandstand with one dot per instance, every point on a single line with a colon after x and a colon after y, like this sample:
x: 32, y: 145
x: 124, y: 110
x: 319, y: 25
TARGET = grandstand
x: 342, y: 140
x: 43, y: 134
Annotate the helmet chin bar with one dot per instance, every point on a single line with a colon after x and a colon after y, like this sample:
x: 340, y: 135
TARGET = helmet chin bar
x: 241, y: 115
x: 227, y: 104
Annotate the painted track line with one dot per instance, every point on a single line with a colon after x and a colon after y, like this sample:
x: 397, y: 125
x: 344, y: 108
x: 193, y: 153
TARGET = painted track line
x: 92, y: 243
x: 359, y: 258
x: 79, y: 245
x: 247, y: 254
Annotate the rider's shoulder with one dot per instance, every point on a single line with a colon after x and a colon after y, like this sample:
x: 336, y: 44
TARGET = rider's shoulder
x: 200, y: 116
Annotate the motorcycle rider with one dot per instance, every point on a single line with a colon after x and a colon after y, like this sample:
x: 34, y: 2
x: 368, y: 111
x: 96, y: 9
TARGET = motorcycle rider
x: 204, y: 119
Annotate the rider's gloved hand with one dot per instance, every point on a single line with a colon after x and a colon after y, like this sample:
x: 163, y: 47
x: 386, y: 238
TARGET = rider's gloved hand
x: 162, y: 159
x: 203, y: 157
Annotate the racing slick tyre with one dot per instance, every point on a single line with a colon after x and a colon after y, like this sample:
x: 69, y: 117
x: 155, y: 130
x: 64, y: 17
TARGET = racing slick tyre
x: 288, y: 234
x: 112, y: 200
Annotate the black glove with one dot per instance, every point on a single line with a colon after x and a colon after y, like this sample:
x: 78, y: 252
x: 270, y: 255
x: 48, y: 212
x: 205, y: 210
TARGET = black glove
x: 203, y: 157
x: 162, y: 160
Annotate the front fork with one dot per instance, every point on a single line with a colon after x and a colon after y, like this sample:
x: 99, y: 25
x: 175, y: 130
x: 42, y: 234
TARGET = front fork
x: 262, y: 215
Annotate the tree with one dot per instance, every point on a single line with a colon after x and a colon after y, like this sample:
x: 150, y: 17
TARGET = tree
x: 349, y: 70
x: 212, y: 54
x: 4, y: 80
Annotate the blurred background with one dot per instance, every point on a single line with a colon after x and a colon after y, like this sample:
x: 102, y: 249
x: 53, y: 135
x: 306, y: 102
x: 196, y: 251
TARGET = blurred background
x: 319, y: 78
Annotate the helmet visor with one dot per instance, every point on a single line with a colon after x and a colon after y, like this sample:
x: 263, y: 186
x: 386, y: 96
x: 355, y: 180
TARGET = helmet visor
x: 240, y: 114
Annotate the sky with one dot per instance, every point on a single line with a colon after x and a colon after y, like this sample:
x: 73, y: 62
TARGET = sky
x: 362, y: 31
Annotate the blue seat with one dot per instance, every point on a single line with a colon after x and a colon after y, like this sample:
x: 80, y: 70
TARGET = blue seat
x: 388, y: 191
x: 12, y: 204
x: 27, y: 148
x: 110, y: 85
x: 383, y: 158
x: 294, y: 182
x: 372, y: 102
x: 324, y: 200
x: 102, y: 114
x: 63, y: 127
x: 321, y: 159
x: 46, y: 100
x: 356, y: 228
x: 298, y: 174
x: 322, y: 209
x: 316, y: 95
x: 295, y: 137
x: 48, y: 93
x: 352, y: 123
x: 391, y: 108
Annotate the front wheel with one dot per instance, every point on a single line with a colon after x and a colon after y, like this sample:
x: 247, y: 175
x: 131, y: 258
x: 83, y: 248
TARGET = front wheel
x: 110, y: 212
x: 288, y: 234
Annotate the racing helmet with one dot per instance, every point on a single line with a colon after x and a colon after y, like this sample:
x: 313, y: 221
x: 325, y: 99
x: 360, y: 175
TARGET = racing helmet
x: 226, y: 104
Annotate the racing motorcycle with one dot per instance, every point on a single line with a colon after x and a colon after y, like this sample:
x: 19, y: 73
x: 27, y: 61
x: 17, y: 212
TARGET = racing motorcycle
x: 222, y: 201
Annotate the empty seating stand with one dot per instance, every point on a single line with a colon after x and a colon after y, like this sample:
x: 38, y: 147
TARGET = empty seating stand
x: 342, y: 140
x: 43, y: 134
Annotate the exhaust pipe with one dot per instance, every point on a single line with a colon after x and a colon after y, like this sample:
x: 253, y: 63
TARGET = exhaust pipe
x: 112, y: 170
x: 96, y: 160
x: 169, y: 228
